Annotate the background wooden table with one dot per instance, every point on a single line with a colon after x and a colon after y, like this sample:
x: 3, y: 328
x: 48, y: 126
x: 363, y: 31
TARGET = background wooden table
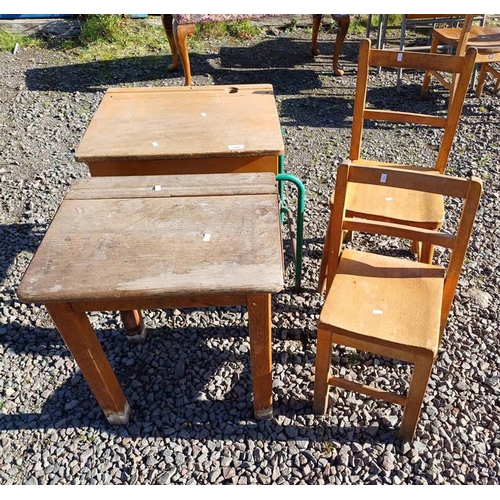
x: 182, y: 130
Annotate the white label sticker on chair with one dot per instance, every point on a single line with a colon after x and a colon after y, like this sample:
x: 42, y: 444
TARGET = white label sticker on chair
x: 233, y: 147
x: 203, y: 114
x: 383, y: 177
x: 388, y: 198
x: 157, y: 188
x: 206, y: 236
x: 400, y: 56
x: 377, y: 311
x: 154, y: 144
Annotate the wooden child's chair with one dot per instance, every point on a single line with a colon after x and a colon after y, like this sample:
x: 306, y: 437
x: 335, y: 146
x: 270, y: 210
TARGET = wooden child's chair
x: 390, y: 306
x: 486, y: 39
x: 380, y: 202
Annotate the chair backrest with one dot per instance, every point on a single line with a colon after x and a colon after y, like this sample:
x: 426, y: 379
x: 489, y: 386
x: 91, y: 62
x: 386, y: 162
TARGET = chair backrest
x: 469, y: 190
x: 369, y: 57
x: 464, y: 34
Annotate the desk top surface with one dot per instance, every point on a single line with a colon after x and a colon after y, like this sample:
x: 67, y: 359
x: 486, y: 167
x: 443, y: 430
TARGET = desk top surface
x: 183, y: 122
x: 160, y: 236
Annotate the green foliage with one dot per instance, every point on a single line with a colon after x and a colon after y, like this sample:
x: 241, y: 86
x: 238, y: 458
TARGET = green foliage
x: 328, y: 447
x: 204, y: 31
x: 101, y: 28
x: 8, y: 41
x: 87, y: 439
x: 354, y: 358
x: 359, y: 22
x: 242, y: 29
x: 108, y: 36
x: 236, y: 29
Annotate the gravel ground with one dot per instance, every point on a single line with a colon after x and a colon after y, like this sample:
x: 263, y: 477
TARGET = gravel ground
x: 189, y: 383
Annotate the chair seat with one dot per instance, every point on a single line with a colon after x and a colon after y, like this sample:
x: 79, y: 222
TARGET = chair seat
x: 480, y: 37
x: 376, y: 298
x: 415, y: 208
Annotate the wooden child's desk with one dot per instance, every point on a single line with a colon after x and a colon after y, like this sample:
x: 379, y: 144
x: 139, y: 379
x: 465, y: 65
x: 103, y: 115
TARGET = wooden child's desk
x: 148, y: 242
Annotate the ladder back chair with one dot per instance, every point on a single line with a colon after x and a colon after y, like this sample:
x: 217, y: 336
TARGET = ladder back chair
x: 390, y: 306
x: 486, y: 39
x: 380, y: 202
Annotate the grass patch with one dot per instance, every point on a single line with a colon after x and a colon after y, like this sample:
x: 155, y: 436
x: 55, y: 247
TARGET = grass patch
x: 111, y: 36
x: 8, y: 41
x: 102, y: 28
x: 242, y: 29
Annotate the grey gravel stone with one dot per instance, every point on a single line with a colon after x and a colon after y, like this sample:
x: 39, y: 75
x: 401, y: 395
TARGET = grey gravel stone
x: 189, y: 384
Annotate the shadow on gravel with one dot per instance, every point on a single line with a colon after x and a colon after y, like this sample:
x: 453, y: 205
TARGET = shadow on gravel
x: 285, y: 63
x: 317, y: 111
x: 173, y: 385
x: 17, y: 239
x: 99, y: 75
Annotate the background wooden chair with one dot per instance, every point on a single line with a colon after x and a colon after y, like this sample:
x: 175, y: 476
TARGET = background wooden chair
x: 486, y: 39
x: 421, y: 23
x: 390, y: 306
x: 380, y: 202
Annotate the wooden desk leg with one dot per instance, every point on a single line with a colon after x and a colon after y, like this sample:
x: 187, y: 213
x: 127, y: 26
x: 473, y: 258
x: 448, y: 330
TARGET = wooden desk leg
x: 259, y: 325
x: 134, y: 326
x: 82, y: 341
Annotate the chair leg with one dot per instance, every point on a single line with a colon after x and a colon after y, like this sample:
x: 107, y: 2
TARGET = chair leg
x: 428, y: 74
x: 347, y: 237
x: 167, y: 20
x: 315, y: 30
x: 418, y: 385
x: 322, y: 371
x: 426, y: 253
x: 481, y: 79
x: 416, y: 248
x: 323, y: 272
x: 343, y: 22
x: 453, y: 88
x: 180, y: 33
x: 496, y: 74
x: 423, y: 251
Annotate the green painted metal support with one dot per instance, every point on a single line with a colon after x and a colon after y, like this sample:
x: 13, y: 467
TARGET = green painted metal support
x: 281, y: 191
x: 297, y: 233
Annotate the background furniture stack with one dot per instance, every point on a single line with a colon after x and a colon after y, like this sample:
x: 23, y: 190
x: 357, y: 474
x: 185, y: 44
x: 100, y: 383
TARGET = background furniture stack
x: 485, y: 39
x: 179, y: 27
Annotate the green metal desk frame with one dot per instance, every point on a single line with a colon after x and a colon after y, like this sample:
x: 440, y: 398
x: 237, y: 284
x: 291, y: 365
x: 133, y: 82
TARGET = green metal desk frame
x: 297, y: 229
